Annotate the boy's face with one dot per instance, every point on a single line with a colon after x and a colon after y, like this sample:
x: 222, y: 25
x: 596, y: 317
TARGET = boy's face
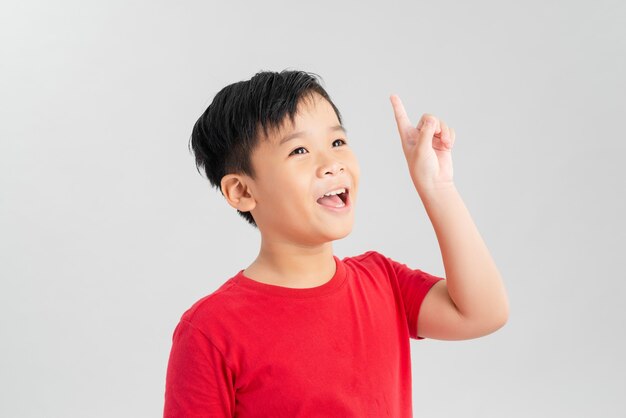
x: 293, y: 174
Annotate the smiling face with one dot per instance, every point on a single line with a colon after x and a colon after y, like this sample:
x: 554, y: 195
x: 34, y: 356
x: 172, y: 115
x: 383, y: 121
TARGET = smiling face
x: 296, y: 166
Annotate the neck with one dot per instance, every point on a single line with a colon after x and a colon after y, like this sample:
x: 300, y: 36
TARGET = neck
x: 285, y: 264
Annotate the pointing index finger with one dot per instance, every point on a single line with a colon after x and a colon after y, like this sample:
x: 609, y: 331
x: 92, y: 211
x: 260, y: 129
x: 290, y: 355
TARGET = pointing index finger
x: 402, y: 119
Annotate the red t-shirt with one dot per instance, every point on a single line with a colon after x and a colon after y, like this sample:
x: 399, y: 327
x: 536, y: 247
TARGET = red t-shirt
x: 251, y: 349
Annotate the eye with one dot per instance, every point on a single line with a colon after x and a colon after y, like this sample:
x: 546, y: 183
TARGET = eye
x: 294, y: 152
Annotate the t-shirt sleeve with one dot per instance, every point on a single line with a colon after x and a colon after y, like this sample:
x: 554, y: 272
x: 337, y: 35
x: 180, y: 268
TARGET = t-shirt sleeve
x: 414, y: 284
x: 199, y: 383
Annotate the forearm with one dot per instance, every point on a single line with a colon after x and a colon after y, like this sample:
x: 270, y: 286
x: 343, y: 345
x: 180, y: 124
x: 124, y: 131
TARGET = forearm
x: 473, y: 280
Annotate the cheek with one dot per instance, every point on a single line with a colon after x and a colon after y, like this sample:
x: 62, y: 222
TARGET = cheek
x: 293, y: 191
x: 355, y: 171
x: 355, y: 168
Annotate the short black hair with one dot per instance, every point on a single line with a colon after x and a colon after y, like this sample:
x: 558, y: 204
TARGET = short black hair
x: 224, y: 137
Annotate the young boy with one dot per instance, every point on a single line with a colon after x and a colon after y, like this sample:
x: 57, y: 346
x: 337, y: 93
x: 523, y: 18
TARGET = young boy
x: 300, y: 332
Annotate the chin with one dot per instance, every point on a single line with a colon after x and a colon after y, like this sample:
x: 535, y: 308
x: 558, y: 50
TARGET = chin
x: 341, y: 233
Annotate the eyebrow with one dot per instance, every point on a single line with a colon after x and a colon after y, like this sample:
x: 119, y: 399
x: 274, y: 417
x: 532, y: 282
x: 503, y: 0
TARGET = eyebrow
x: 300, y: 133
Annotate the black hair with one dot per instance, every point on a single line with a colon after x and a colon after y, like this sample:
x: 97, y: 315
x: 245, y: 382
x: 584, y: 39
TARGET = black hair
x: 224, y: 137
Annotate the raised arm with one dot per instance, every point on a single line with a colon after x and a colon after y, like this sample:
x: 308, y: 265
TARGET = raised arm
x: 472, y: 301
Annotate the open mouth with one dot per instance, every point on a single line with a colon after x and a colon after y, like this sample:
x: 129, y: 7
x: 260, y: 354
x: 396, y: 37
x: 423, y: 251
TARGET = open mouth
x: 339, y: 200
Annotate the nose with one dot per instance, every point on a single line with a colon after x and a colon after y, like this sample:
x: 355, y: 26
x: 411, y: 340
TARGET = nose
x: 333, y: 167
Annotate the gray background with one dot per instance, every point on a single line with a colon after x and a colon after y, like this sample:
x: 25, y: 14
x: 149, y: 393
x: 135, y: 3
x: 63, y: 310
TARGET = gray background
x: 108, y: 233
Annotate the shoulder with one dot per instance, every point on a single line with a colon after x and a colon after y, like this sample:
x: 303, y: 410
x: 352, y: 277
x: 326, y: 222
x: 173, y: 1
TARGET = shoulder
x: 382, y: 264
x: 210, y: 305
x: 369, y: 263
x: 368, y: 258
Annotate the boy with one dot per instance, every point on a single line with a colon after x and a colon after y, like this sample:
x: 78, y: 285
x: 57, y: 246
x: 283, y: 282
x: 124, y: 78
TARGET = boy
x: 300, y: 332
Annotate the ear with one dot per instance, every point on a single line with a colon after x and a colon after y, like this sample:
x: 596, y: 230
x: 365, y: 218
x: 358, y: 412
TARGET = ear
x: 237, y: 193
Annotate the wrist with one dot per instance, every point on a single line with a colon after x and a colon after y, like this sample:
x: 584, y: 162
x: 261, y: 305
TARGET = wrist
x: 434, y: 190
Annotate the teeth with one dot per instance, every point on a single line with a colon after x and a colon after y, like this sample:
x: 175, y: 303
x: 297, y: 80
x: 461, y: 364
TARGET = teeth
x: 338, y: 191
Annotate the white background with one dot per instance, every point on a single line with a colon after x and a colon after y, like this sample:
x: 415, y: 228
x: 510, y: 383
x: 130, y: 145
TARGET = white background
x: 108, y: 233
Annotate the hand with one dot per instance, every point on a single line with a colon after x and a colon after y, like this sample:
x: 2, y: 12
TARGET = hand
x: 427, y: 148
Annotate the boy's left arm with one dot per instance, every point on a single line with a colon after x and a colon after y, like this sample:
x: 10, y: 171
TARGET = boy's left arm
x: 472, y: 301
